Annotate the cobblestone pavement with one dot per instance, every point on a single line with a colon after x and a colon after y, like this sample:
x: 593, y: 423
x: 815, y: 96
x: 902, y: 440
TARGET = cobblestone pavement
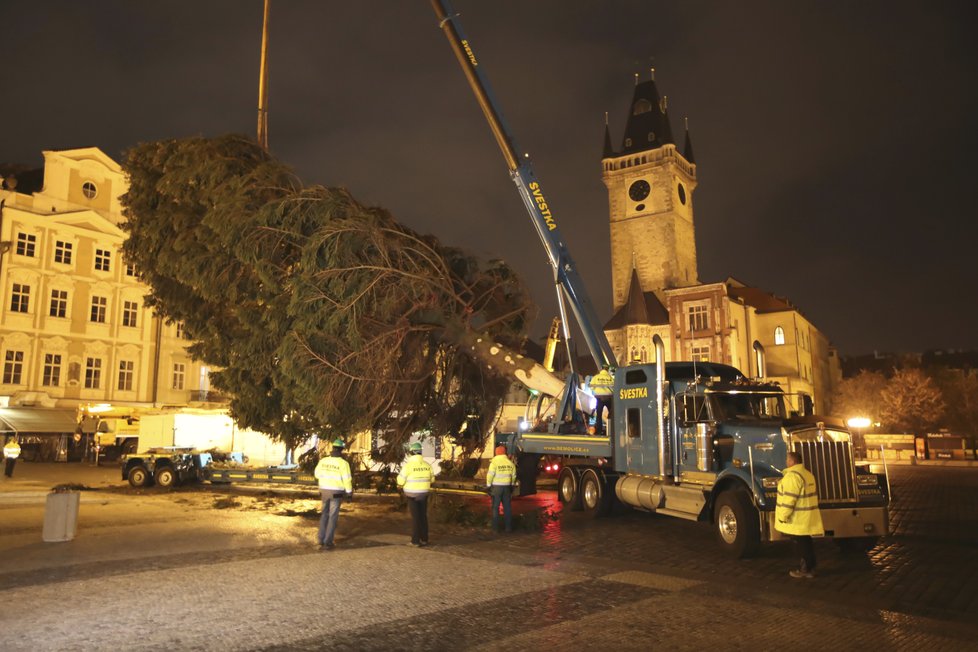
x: 199, y: 570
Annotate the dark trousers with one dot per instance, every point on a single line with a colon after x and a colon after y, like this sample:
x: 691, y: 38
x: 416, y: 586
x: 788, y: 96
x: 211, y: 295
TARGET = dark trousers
x: 501, y: 494
x: 329, y: 517
x: 8, y: 469
x: 418, y: 504
x: 602, y: 403
x: 805, y: 550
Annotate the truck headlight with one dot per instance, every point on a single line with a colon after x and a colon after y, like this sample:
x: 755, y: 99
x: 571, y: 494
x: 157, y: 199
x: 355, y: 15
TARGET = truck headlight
x: 769, y: 483
x: 867, y: 480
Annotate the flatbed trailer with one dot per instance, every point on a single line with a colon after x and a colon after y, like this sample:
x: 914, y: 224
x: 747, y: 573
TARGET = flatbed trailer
x: 272, y: 475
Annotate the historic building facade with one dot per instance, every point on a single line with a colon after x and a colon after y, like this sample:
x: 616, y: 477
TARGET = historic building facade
x: 74, y: 332
x: 655, y: 285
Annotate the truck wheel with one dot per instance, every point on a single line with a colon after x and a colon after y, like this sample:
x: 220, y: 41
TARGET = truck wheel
x: 165, y: 477
x: 595, y: 498
x: 737, y: 525
x: 857, y: 544
x: 567, y: 489
x: 138, y: 476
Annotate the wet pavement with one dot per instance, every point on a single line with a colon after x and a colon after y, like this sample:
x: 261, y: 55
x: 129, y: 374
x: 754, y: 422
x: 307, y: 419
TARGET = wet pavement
x: 234, y: 569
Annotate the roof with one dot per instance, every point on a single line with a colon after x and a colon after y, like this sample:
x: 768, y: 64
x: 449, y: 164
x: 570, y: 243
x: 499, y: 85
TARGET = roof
x: 25, y: 420
x: 647, y: 126
x: 640, y: 308
x: 762, y: 301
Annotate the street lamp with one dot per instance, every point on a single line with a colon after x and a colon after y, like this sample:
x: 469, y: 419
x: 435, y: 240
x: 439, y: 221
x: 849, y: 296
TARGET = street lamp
x: 859, y: 425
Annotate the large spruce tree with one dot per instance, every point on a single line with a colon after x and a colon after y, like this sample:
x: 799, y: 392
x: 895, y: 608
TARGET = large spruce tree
x: 324, y: 316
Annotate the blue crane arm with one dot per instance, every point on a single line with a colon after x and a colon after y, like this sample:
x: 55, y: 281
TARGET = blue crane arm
x: 570, y: 286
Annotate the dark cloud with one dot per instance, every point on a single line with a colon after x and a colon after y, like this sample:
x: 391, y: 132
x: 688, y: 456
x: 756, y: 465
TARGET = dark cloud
x: 834, y: 140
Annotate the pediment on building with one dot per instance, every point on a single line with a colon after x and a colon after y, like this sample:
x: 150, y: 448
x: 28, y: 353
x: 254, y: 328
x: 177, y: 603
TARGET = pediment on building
x: 89, y: 220
x: 87, y: 156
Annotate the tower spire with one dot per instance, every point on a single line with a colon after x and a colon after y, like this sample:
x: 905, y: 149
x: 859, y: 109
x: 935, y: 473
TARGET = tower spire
x: 608, y: 149
x: 647, y: 126
x: 688, y: 146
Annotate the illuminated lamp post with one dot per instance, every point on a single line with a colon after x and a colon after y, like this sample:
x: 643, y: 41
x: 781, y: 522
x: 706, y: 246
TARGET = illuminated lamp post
x: 859, y: 425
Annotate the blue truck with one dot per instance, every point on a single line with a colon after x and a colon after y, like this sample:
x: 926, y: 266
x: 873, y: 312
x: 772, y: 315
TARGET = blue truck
x: 698, y: 441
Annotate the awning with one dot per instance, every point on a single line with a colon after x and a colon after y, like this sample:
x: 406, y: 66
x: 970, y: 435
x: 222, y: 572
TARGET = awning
x: 37, y: 421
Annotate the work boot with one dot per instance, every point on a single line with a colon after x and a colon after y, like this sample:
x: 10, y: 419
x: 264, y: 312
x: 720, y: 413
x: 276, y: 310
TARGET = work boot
x: 799, y: 573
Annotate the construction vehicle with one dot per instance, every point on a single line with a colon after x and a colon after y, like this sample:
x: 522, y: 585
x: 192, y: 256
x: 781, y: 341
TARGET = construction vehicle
x: 693, y: 440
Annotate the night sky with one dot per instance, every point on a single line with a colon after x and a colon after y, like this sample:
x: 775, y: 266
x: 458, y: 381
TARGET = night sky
x: 835, y: 142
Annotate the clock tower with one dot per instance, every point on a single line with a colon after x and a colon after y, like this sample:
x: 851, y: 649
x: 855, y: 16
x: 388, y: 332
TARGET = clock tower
x: 650, y: 200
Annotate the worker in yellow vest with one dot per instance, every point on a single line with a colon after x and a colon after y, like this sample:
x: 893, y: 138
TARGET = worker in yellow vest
x: 415, y: 478
x: 797, y: 513
x: 335, y: 484
x: 603, y: 389
x: 500, y: 480
x: 11, y: 451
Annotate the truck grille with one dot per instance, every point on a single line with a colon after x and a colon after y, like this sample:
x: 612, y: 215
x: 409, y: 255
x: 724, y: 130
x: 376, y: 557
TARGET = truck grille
x: 832, y: 465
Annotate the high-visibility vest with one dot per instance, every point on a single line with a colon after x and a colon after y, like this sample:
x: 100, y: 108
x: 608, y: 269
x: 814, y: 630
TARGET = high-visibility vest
x: 502, y: 472
x: 797, y: 511
x: 602, y: 384
x: 415, y: 476
x: 11, y: 450
x: 333, y: 474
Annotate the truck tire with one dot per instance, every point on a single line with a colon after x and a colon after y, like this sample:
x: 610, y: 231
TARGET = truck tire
x: 736, y: 524
x: 165, y: 476
x: 595, y: 497
x: 138, y: 476
x: 568, y: 485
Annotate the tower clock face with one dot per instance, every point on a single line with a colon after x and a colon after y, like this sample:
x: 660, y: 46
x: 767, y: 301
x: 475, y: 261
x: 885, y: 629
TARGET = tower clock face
x: 639, y: 190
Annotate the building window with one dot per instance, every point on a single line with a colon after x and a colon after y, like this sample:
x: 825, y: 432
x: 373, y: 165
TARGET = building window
x: 13, y: 367
x: 129, y: 311
x: 103, y: 260
x: 26, y: 244
x: 93, y: 373
x: 89, y: 189
x: 179, y: 329
x: 62, y: 252
x: 20, y: 298
x: 125, y: 375
x: 779, y: 336
x: 698, y: 317
x: 98, y: 309
x: 52, y: 370
x: 700, y: 353
x: 59, y: 303
x: 179, y: 373
x: 130, y: 269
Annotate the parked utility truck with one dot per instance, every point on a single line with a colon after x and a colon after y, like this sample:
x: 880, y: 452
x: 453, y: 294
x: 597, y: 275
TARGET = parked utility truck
x: 697, y: 441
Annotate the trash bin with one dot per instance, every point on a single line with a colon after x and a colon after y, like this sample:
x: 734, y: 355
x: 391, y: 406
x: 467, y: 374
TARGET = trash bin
x: 61, y: 516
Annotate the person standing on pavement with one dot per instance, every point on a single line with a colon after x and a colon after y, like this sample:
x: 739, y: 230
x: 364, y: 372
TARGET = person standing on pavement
x: 415, y: 478
x: 500, y: 480
x: 797, y: 513
x: 335, y: 483
x: 602, y: 387
x: 11, y: 451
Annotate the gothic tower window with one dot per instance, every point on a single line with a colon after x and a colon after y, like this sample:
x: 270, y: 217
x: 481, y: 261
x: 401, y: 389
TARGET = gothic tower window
x: 641, y: 106
x: 779, y: 336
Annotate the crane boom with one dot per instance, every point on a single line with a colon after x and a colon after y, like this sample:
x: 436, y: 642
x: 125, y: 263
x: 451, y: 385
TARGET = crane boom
x: 570, y: 286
